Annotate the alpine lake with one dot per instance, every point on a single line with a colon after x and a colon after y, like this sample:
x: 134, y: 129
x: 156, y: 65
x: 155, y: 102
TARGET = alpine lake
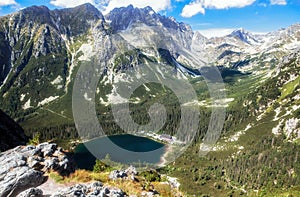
x: 125, y: 149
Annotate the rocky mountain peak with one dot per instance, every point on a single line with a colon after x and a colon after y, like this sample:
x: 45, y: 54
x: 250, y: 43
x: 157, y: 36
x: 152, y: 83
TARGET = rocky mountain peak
x: 198, y: 35
x: 38, y: 14
x: 87, y: 6
x: 77, y: 20
x: 293, y: 29
x: 35, y: 9
x: 244, y: 36
x: 240, y: 30
x: 87, y: 10
x: 124, y: 17
x: 84, y: 12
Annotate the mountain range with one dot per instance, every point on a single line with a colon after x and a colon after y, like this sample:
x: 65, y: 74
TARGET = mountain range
x: 36, y: 37
x: 46, y: 53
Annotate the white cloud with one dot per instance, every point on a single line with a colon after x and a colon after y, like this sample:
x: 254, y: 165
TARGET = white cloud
x: 192, y: 9
x: 7, y: 2
x: 157, y: 5
x: 224, y: 4
x: 69, y: 4
x: 278, y: 2
x: 199, y: 6
x: 217, y: 32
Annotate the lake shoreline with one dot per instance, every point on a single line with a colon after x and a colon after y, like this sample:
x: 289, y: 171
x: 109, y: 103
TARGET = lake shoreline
x: 163, y: 160
x: 127, y: 143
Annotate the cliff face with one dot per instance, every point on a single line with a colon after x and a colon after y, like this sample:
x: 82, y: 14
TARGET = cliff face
x: 11, y: 134
x: 24, y: 167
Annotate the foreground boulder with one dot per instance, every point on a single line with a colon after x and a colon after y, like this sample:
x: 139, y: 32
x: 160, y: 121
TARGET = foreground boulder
x: 24, y: 166
x: 93, y: 189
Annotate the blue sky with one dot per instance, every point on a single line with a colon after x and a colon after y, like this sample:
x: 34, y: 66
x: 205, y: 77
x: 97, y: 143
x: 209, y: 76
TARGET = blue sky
x: 211, y: 17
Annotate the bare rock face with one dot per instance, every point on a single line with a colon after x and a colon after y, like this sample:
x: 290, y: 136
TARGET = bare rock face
x: 19, y: 179
x: 122, y: 18
x: 24, y: 166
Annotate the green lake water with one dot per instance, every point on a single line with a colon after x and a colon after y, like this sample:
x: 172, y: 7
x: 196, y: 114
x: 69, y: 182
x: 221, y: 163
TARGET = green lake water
x: 127, y: 149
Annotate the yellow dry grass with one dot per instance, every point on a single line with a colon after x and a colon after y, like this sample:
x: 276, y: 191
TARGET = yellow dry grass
x: 128, y: 186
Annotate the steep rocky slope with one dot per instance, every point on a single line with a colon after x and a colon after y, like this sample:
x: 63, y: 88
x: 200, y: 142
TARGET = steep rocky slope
x: 11, y: 133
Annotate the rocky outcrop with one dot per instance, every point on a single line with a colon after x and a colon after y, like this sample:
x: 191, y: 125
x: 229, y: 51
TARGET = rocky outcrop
x: 93, y: 189
x: 23, y: 169
x: 11, y: 133
x: 129, y: 173
x: 24, y: 166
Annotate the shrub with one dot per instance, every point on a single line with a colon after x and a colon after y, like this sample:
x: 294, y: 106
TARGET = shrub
x: 151, y: 176
x: 99, y: 166
x: 36, y: 139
